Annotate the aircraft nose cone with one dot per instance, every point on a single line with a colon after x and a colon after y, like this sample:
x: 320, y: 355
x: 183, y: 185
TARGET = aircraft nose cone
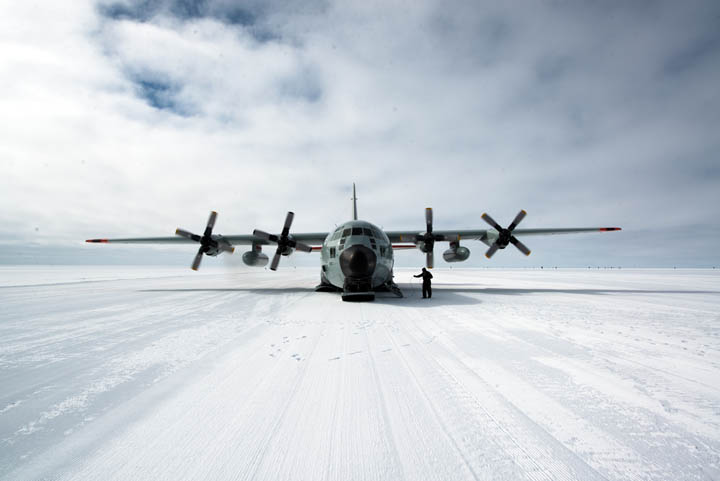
x: 358, y: 261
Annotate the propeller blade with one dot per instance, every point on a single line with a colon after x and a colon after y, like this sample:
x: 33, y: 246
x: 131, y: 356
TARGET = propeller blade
x: 492, y: 222
x: 211, y: 220
x: 188, y: 235
x: 429, y: 219
x: 275, y: 261
x: 491, y: 250
x: 429, y: 259
x: 197, y: 260
x: 518, y: 218
x: 288, y: 222
x: 523, y: 248
x: 302, y: 247
x: 264, y: 235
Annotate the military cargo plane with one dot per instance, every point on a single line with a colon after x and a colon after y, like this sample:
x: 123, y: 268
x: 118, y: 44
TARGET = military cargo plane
x: 356, y: 258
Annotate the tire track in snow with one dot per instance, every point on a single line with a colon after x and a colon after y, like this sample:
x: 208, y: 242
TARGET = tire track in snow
x: 259, y: 457
x: 389, y: 438
x: 539, y: 453
x: 117, y: 445
x: 333, y: 421
x: 432, y: 406
x: 638, y: 455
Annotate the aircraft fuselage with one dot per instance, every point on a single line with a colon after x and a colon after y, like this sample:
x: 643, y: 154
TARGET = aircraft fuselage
x: 357, y: 257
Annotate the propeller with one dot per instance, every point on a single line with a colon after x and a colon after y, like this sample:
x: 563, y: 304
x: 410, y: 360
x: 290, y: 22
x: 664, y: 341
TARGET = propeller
x: 428, y: 239
x: 285, y: 242
x: 208, y: 245
x: 505, y: 236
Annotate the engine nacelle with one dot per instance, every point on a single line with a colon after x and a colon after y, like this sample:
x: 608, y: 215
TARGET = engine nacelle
x: 457, y: 254
x: 255, y: 259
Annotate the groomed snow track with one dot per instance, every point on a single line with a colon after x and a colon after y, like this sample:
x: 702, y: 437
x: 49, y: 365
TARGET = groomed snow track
x: 126, y: 374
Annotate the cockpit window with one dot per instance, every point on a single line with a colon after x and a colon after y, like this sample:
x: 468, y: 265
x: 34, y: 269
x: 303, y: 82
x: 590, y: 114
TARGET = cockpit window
x: 346, y: 232
x: 357, y: 231
x: 367, y: 231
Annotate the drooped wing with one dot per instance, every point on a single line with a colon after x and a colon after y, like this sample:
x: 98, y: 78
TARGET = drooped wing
x: 483, y: 234
x: 239, y: 239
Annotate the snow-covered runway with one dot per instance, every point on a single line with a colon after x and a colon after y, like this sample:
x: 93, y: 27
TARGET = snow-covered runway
x: 121, y: 373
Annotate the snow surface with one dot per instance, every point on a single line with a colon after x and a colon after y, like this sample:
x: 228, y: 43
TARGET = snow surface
x: 143, y: 373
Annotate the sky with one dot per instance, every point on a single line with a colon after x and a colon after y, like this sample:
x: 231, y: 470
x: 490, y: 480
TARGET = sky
x: 132, y: 118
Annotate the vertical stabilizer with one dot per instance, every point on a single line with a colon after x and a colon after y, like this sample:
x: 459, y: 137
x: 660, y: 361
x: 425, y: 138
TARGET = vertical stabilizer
x: 354, y: 199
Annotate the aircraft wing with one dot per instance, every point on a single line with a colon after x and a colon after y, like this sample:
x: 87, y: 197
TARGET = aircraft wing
x: 483, y: 234
x: 235, y: 239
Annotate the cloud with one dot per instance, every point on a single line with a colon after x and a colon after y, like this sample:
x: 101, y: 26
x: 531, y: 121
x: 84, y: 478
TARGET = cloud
x: 134, y: 118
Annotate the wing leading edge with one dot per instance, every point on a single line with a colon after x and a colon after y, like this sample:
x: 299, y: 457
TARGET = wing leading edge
x: 480, y: 234
x: 395, y: 236
x: 235, y: 239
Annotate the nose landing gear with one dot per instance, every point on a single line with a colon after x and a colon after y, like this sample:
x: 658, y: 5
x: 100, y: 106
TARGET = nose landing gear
x: 358, y: 290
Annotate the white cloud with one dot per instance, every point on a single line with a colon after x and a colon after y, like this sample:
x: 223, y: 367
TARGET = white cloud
x: 580, y: 116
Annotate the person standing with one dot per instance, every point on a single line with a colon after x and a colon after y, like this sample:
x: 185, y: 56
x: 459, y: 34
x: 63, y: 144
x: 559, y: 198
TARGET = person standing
x: 427, y: 287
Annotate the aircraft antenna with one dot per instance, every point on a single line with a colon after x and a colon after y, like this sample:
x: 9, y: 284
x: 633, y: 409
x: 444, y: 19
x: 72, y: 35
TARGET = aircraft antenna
x: 354, y: 199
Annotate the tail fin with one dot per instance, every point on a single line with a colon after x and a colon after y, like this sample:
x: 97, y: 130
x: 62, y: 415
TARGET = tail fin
x: 354, y: 199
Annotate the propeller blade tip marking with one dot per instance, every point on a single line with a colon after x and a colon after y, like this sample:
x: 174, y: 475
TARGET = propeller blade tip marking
x: 96, y: 240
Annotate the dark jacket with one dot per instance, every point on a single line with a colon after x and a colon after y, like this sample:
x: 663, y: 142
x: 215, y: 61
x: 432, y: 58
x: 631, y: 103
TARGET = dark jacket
x: 426, y: 276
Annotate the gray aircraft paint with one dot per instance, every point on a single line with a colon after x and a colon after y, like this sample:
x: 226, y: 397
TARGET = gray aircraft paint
x: 377, y: 241
x: 371, y: 236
